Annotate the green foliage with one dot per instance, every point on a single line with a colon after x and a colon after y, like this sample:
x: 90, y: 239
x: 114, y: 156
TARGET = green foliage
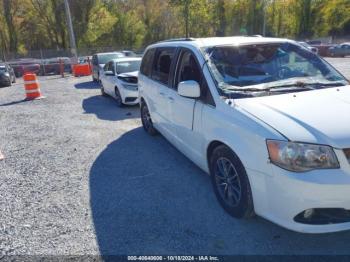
x: 99, y: 21
x: 41, y: 24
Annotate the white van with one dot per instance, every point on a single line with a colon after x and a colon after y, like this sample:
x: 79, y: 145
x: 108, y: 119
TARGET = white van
x: 268, y: 119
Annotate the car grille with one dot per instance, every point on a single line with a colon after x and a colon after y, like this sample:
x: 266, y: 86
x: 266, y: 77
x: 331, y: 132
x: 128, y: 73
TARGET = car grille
x: 347, y: 153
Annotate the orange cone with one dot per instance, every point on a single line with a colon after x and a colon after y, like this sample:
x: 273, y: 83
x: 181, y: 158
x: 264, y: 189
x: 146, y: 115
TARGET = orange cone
x: 31, y: 86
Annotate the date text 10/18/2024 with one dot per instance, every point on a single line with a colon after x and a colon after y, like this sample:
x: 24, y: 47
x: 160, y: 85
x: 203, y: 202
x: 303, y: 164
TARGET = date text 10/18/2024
x: 173, y: 258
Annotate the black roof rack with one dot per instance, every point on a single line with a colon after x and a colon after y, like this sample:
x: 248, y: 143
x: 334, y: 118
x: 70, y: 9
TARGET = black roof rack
x: 177, y: 40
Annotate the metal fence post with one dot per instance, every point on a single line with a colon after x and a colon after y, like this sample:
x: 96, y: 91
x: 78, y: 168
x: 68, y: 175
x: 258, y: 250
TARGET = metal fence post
x: 42, y: 62
x: 61, y: 68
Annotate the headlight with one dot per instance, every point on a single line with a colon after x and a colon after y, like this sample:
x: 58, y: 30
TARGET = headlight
x: 7, y: 74
x: 130, y: 87
x: 299, y: 157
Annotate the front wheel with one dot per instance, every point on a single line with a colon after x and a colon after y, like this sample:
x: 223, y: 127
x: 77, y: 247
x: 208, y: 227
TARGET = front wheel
x: 230, y: 183
x: 103, y: 93
x: 146, y: 120
x: 118, y: 98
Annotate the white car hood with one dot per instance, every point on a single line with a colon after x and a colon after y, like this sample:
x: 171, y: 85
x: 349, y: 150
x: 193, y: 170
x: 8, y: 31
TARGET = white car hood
x: 129, y: 74
x: 318, y: 116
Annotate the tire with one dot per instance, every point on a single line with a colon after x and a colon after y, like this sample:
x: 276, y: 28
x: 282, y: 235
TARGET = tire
x: 93, y: 78
x: 118, y: 98
x: 147, y: 121
x: 230, y: 183
x: 103, y: 93
x: 14, y: 80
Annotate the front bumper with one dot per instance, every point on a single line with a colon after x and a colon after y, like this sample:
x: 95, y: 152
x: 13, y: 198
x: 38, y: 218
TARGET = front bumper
x: 285, y: 194
x: 5, y: 81
x: 130, y: 97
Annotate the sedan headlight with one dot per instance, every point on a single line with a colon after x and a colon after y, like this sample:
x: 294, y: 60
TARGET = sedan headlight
x: 299, y: 157
x: 7, y: 74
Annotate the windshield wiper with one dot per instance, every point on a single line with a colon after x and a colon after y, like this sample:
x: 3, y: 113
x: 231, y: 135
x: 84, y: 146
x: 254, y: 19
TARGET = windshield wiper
x: 307, y: 85
x: 296, y: 84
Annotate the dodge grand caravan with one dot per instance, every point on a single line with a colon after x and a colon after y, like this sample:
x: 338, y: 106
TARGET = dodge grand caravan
x: 268, y: 119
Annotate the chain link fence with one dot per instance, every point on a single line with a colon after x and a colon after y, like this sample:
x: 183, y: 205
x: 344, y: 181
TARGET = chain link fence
x: 52, y: 61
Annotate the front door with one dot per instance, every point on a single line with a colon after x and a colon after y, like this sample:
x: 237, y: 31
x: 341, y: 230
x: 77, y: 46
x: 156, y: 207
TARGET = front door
x: 186, y: 113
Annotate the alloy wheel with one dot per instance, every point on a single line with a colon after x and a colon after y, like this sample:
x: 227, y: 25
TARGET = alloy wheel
x: 228, y: 182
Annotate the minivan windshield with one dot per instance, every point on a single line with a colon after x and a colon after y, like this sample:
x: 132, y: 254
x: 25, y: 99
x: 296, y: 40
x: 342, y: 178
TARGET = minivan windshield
x: 266, y: 67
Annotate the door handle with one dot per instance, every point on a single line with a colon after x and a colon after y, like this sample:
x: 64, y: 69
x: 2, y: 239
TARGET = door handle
x: 161, y: 93
x: 170, y: 98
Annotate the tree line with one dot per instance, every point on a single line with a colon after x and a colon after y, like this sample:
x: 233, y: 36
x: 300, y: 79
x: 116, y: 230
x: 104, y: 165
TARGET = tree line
x: 41, y: 24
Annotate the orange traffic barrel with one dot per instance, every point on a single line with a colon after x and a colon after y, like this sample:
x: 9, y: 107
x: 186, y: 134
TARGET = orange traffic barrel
x: 31, y: 86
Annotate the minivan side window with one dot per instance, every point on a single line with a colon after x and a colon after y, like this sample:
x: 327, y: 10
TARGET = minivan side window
x: 189, y: 69
x: 162, y: 63
x: 147, y: 62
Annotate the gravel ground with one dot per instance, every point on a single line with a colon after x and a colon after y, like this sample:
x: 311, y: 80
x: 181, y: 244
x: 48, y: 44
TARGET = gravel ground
x: 80, y: 176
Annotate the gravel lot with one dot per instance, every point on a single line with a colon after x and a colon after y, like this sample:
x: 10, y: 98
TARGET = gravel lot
x: 80, y: 176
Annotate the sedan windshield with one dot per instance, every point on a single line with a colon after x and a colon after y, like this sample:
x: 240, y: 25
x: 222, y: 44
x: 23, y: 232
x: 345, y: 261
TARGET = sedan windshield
x: 2, y: 69
x: 128, y: 66
x: 262, y: 67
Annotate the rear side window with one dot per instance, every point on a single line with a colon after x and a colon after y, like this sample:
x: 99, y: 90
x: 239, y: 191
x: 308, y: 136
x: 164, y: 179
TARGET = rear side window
x: 162, y: 64
x: 147, y: 61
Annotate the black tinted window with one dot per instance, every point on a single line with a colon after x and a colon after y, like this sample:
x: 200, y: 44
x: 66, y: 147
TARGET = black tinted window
x: 162, y: 64
x: 147, y: 61
x: 188, y: 68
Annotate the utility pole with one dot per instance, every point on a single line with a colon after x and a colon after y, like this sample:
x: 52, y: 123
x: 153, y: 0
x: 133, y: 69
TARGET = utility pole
x: 73, y: 46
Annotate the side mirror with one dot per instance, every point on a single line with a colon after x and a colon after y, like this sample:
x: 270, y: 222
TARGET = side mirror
x: 109, y: 73
x: 189, y: 89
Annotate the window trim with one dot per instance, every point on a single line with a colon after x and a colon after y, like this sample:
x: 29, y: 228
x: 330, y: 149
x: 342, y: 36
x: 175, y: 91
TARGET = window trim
x: 203, y: 81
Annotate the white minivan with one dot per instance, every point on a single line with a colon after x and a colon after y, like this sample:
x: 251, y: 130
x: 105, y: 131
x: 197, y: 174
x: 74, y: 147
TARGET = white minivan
x: 268, y: 119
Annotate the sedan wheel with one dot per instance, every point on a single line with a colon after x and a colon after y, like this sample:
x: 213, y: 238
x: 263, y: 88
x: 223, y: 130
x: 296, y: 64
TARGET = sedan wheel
x: 103, y: 93
x: 118, y: 98
x: 230, y: 183
x: 146, y: 120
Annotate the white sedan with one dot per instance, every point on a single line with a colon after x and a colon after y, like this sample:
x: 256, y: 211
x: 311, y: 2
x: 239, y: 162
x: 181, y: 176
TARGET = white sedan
x: 119, y: 80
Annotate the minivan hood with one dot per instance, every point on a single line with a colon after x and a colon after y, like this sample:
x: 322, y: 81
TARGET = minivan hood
x: 317, y: 116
